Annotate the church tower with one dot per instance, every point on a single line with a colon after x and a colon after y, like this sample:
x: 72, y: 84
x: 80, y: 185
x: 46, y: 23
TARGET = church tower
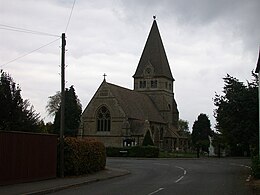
x: 153, y: 77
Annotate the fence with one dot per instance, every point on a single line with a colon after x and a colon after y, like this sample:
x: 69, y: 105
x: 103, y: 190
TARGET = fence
x: 27, y: 157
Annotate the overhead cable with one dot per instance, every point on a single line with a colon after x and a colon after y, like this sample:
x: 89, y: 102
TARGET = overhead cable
x: 29, y: 53
x: 70, y: 16
x: 23, y: 30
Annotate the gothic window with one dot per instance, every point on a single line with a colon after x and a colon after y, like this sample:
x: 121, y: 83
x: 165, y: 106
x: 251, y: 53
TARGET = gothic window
x: 103, y: 119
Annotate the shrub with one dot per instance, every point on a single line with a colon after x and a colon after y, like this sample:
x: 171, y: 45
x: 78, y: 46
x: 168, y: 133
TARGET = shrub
x: 83, y: 156
x: 148, y: 141
x: 256, y: 167
x: 135, y: 151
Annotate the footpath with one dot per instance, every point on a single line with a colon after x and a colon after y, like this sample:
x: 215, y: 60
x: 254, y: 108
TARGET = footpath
x: 54, y: 185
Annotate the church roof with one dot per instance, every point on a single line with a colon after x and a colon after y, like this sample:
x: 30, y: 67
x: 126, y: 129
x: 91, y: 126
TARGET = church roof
x: 135, y: 105
x: 155, y: 55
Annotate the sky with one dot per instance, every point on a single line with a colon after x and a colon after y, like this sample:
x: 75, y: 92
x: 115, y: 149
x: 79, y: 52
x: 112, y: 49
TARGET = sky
x: 204, y: 41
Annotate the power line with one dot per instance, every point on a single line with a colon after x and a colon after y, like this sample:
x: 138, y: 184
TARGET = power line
x: 70, y: 16
x: 23, y: 30
x: 29, y: 53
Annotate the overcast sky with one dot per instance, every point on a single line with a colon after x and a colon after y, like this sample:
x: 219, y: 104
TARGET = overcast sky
x: 204, y: 40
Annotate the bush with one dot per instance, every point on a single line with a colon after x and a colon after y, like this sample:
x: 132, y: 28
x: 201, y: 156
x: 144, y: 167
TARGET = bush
x: 83, y: 156
x: 148, y: 141
x: 256, y: 167
x: 135, y: 151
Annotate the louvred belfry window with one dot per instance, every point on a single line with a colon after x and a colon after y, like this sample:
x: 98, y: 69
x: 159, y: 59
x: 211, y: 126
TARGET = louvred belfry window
x: 103, y: 119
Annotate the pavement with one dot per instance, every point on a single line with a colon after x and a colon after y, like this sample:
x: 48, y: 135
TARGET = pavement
x: 58, y: 184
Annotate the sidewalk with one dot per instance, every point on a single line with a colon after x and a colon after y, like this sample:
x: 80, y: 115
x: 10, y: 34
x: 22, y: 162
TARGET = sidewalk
x: 54, y: 185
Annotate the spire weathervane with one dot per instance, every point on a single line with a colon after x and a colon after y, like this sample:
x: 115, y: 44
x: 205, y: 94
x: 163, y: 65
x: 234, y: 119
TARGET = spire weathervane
x: 154, y: 17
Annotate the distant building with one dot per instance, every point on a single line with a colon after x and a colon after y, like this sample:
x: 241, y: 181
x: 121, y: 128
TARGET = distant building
x: 119, y: 116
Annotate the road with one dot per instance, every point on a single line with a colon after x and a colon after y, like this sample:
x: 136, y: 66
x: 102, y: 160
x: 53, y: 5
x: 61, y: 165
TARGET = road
x: 171, y: 176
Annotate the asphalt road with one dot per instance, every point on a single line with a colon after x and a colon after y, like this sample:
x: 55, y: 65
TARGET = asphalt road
x: 170, y: 176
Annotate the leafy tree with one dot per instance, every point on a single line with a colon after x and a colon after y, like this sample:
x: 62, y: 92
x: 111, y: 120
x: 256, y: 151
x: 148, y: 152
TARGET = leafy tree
x: 237, y: 114
x: 73, y: 111
x: 200, y: 133
x: 16, y: 114
x: 148, y: 141
x: 53, y: 104
x: 183, y: 125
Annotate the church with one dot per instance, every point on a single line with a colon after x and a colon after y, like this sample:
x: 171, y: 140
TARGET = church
x: 120, y: 117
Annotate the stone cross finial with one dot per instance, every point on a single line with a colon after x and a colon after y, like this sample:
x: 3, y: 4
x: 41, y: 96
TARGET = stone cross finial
x: 104, y: 75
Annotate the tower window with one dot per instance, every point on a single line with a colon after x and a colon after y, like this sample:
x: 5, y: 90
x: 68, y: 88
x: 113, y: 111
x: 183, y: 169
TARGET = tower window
x: 103, y: 119
x: 153, y: 83
x: 142, y: 84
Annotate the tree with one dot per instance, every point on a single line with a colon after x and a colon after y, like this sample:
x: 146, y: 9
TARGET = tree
x: 200, y: 133
x: 183, y: 125
x: 16, y: 114
x: 237, y: 114
x: 53, y: 104
x: 148, y: 141
x: 73, y: 111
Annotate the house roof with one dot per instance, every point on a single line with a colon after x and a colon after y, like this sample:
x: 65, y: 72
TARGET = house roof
x: 154, y: 54
x: 135, y: 104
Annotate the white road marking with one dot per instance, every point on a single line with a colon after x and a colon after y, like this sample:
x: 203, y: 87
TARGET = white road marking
x: 184, y: 173
x: 156, y: 191
x: 245, y: 166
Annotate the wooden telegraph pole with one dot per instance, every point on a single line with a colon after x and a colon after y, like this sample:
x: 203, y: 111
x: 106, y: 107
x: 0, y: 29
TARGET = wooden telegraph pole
x: 62, y: 116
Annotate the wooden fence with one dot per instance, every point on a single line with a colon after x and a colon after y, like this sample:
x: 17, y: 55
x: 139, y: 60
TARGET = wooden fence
x: 27, y: 157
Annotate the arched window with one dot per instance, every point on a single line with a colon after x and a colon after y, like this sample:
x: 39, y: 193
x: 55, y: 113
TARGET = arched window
x: 103, y: 119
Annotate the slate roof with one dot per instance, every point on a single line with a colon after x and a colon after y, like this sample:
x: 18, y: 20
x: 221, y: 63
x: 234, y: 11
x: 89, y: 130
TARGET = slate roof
x: 135, y: 104
x: 155, y: 55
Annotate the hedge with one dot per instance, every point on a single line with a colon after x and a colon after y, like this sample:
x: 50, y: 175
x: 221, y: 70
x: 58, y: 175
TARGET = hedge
x: 135, y: 151
x: 82, y: 156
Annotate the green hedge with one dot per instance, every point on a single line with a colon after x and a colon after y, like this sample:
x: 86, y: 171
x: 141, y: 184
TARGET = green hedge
x: 82, y: 156
x: 256, y: 167
x: 135, y: 151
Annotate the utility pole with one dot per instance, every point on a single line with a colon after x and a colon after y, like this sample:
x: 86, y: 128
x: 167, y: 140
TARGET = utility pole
x: 62, y: 116
x: 257, y: 70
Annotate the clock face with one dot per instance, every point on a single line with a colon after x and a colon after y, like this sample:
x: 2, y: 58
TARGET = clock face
x: 148, y: 70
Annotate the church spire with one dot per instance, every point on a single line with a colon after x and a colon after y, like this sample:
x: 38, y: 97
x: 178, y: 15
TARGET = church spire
x: 154, y: 55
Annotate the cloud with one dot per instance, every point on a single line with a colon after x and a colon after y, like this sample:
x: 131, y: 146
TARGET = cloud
x: 204, y: 40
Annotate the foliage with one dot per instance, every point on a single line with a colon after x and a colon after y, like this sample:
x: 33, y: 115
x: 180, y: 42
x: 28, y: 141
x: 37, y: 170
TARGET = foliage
x: 144, y: 151
x: 255, y: 167
x: 183, y: 125
x: 83, y: 156
x: 148, y: 141
x: 135, y: 151
x: 16, y: 114
x: 165, y: 154
x: 73, y: 111
x: 237, y: 115
x: 200, y: 133
x: 184, y: 128
x: 53, y: 104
